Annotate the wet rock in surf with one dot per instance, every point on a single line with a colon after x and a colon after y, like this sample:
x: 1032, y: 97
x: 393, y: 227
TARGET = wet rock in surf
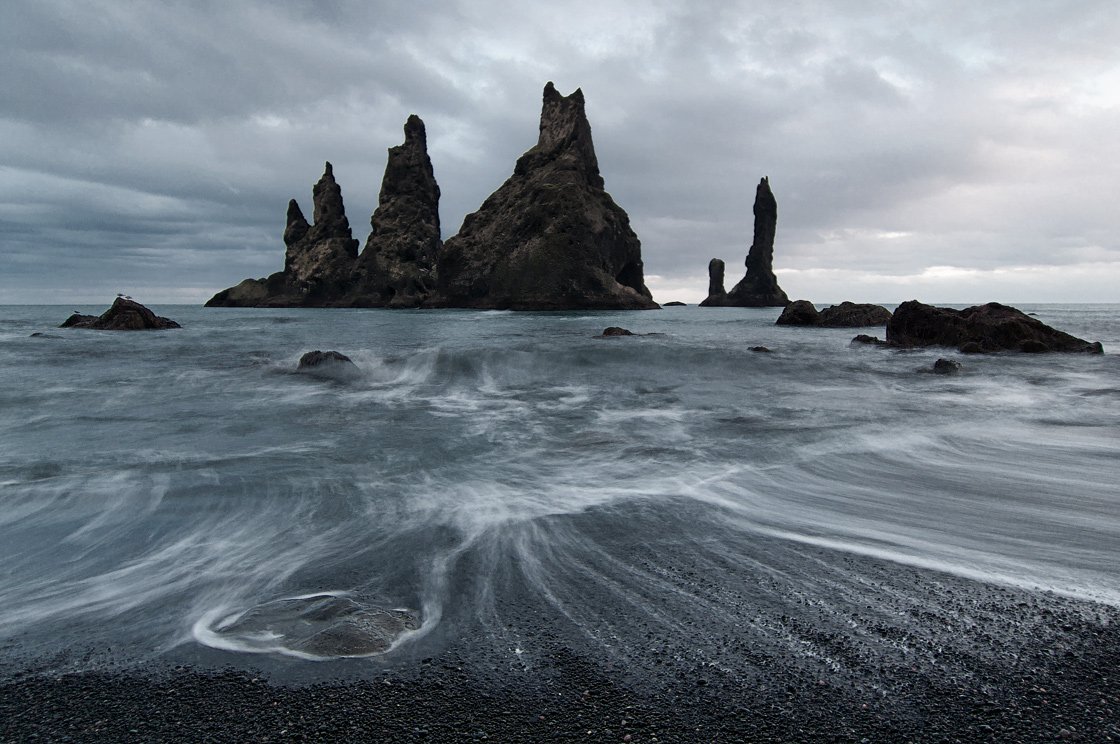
x: 616, y: 331
x: 844, y: 315
x: 864, y: 339
x: 124, y: 315
x: 321, y: 625
x: 799, y: 313
x: 330, y: 364
x: 760, y: 349
x: 946, y: 367
x: 979, y: 329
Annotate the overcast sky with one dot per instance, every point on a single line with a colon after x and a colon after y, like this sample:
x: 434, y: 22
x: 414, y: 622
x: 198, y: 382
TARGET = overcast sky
x: 945, y: 151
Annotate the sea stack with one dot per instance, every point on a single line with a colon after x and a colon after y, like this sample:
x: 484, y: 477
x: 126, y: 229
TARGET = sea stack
x: 397, y: 265
x: 551, y: 237
x: 322, y: 267
x: 759, y: 288
x: 318, y: 260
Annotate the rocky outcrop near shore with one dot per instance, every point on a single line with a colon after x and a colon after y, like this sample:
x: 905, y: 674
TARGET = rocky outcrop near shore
x: 551, y: 237
x: 759, y: 288
x: 124, y: 315
x: 318, y: 260
x: 982, y: 328
x: 397, y: 266
x: 844, y: 315
x: 322, y: 267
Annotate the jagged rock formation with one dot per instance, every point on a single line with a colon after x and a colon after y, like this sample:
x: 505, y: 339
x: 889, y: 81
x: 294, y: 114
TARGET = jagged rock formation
x: 322, y: 267
x: 397, y: 265
x: 759, y: 288
x: 124, y: 315
x: 318, y: 260
x: 983, y: 328
x: 550, y: 238
x: 844, y: 315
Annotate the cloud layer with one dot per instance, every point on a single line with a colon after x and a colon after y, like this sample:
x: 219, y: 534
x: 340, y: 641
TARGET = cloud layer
x: 948, y: 151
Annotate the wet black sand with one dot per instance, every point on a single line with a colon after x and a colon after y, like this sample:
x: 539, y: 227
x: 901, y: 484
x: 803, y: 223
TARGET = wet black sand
x: 888, y: 654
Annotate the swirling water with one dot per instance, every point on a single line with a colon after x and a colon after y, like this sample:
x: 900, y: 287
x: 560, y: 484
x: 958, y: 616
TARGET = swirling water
x: 181, y: 489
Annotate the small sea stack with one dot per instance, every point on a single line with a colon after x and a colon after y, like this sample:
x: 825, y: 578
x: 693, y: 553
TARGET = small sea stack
x: 759, y: 288
x: 125, y: 314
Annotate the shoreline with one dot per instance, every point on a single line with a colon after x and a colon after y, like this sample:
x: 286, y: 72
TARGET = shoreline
x: 999, y: 664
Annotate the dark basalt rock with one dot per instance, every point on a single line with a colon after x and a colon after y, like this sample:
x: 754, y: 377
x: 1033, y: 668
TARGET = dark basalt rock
x: 330, y: 364
x: 946, y: 367
x: 550, y: 238
x: 124, y: 315
x: 318, y: 260
x: 397, y: 266
x: 854, y: 315
x: 863, y: 338
x: 799, y: 313
x: 674, y: 304
x: 616, y: 331
x: 759, y: 288
x: 983, y: 328
x: 760, y: 349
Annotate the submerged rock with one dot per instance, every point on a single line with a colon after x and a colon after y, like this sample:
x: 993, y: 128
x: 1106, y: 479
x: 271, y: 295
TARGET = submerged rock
x: 330, y: 364
x: 397, y: 266
x: 322, y: 625
x: 946, y: 367
x: 759, y: 288
x: 760, y: 349
x: 978, y: 329
x: 551, y: 237
x: 124, y: 315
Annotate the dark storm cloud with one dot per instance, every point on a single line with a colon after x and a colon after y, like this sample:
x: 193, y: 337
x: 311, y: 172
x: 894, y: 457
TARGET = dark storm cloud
x: 153, y: 147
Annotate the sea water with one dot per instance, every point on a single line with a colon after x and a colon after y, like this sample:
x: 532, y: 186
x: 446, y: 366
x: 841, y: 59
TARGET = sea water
x: 189, y: 489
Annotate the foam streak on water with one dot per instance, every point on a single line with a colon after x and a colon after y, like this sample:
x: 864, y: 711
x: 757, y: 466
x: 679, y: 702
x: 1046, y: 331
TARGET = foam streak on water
x: 176, y: 488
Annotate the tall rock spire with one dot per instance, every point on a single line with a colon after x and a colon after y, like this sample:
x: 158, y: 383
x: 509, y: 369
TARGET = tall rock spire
x: 319, y: 260
x: 759, y: 288
x: 396, y: 267
x: 550, y: 237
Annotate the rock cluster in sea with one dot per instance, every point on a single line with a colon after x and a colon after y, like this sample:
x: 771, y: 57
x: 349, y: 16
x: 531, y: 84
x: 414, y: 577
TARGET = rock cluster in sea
x: 844, y: 315
x: 979, y: 329
x: 759, y: 288
x: 125, y: 314
x: 549, y: 238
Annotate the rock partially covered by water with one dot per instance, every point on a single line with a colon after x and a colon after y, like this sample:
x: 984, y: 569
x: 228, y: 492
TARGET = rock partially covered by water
x: 550, y: 238
x: 946, y: 367
x: 616, y: 331
x: 854, y: 315
x: 844, y: 315
x: 319, y: 626
x: 864, y: 339
x: 330, y: 364
x: 397, y: 266
x: 759, y: 288
x: 982, y: 328
x: 124, y: 315
x: 799, y: 313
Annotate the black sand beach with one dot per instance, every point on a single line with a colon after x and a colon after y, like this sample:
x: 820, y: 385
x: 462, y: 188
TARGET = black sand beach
x: 971, y: 663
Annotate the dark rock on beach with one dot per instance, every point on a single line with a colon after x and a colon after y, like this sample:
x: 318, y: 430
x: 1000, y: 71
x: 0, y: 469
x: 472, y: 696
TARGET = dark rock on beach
x: 982, y: 328
x: 759, y: 288
x: 551, y: 237
x: 124, y: 315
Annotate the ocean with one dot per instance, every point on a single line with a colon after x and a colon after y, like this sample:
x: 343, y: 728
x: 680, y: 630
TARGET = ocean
x: 512, y: 482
